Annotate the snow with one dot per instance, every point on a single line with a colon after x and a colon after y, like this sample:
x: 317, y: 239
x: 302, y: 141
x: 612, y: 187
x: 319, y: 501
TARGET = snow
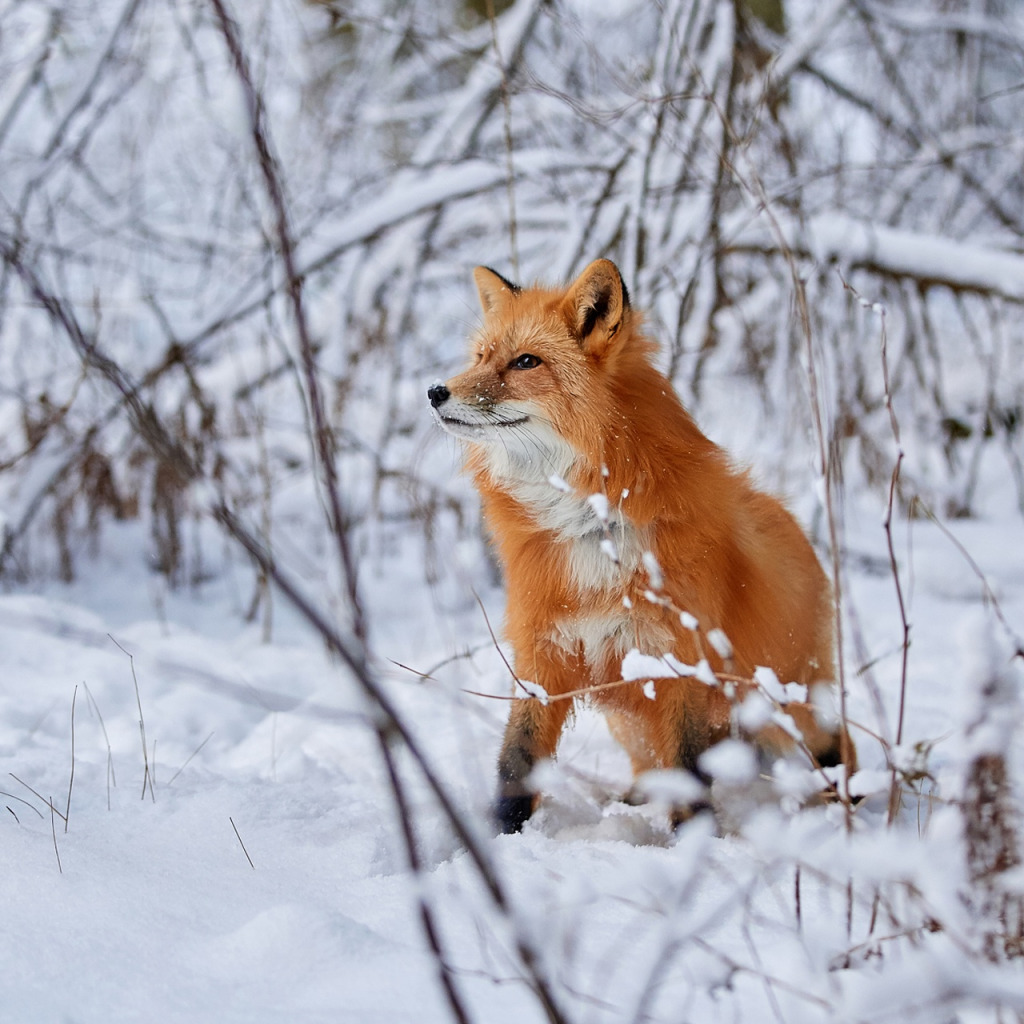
x: 599, y: 503
x: 720, y: 642
x: 704, y: 672
x: 534, y: 690
x: 670, y: 787
x: 754, y: 712
x: 642, y: 666
x: 155, y: 907
x: 732, y: 761
x: 654, y: 573
x: 689, y: 621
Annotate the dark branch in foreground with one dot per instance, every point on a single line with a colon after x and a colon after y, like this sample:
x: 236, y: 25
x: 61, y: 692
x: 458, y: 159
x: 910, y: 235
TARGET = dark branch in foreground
x: 387, y: 723
x: 323, y: 439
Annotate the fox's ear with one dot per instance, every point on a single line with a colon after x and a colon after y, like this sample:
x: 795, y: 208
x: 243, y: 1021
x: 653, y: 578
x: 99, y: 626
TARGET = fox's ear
x: 595, y: 304
x: 493, y: 288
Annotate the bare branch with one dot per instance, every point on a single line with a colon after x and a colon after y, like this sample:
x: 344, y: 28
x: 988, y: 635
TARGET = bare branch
x: 322, y: 437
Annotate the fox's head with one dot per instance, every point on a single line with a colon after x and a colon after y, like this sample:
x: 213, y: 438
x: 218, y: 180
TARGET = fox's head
x: 536, y: 395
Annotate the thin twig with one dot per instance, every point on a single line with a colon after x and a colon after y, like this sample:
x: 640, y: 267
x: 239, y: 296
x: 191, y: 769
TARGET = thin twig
x: 84, y: 96
x: 989, y: 594
x: 53, y: 832
x: 430, y: 673
x: 240, y: 843
x: 20, y: 800
x: 390, y: 721
x: 189, y: 761
x: 895, y: 789
x: 427, y: 921
x: 36, y: 793
x: 746, y: 683
x: 71, y: 780
x: 323, y: 438
x: 798, y: 901
x: 149, y: 426
x: 32, y: 79
x: 111, y: 777
x: 497, y: 646
x: 826, y: 466
x: 147, y: 776
x: 506, y: 100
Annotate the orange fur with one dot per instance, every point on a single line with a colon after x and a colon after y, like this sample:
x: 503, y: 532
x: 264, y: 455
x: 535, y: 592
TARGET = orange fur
x: 562, y: 403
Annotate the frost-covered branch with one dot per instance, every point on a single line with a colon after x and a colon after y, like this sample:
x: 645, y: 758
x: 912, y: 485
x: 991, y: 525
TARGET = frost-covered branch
x: 927, y: 259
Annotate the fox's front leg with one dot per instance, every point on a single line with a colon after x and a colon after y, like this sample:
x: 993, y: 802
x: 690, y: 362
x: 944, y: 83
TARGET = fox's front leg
x: 531, y: 735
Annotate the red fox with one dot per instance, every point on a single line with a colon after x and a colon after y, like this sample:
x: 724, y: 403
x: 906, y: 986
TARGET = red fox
x: 620, y: 526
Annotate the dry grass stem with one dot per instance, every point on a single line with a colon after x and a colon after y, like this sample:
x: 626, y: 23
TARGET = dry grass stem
x: 240, y: 843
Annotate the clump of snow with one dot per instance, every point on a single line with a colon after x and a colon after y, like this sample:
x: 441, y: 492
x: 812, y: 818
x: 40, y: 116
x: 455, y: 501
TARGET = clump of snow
x: 599, y: 503
x: 769, y: 682
x: 787, y: 724
x: 792, y: 778
x: 720, y: 642
x: 534, y: 690
x: 780, y: 692
x: 732, y: 762
x: 670, y: 787
x: 648, y: 666
x: 654, y: 573
x: 705, y: 673
x: 754, y: 711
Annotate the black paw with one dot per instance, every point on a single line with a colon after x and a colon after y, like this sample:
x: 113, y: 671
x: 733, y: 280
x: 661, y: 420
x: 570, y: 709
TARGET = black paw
x: 511, y: 812
x: 680, y: 815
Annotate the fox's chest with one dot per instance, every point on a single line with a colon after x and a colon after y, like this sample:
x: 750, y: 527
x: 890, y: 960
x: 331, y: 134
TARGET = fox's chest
x: 595, y: 543
x: 595, y: 554
x: 604, y: 559
x: 603, y: 566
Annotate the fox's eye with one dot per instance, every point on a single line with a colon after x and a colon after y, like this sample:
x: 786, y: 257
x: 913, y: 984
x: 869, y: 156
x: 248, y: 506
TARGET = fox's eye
x: 525, y: 362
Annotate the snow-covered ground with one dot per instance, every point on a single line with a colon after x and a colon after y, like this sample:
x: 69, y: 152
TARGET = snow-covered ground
x: 262, y: 876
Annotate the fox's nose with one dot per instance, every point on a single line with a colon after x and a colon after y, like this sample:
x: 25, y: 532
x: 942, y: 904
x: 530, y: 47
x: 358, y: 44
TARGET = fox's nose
x: 438, y: 395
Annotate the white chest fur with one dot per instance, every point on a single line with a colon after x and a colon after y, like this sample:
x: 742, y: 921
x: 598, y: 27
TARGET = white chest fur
x: 605, y: 557
x: 601, y: 546
x: 598, y: 548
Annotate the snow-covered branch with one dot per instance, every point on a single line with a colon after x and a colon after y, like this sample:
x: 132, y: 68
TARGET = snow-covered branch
x: 928, y: 259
